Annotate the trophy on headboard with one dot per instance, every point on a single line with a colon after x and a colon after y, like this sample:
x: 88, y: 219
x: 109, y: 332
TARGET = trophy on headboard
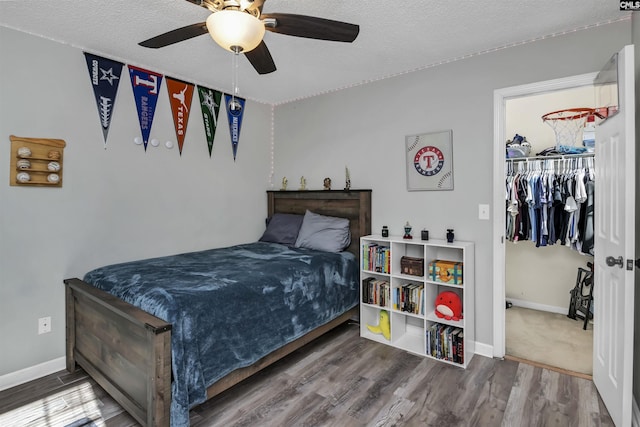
x: 347, y: 181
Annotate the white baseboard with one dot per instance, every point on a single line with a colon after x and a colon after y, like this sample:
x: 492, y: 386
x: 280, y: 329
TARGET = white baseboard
x: 536, y: 306
x: 485, y: 350
x: 635, y: 417
x: 34, y: 372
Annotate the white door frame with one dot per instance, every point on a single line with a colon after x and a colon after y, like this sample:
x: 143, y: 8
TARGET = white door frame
x: 500, y: 96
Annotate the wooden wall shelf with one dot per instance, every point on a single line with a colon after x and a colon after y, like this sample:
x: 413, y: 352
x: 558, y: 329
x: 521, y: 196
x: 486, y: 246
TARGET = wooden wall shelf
x: 45, y: 161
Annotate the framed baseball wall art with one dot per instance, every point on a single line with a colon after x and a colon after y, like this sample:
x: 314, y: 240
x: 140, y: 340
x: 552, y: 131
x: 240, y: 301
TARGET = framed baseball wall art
x: 429, y: 161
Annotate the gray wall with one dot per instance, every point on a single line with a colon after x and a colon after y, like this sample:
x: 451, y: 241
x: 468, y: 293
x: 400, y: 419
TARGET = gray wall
x: 123, y: 204
x: 364, y: 128
x: 116, y: 204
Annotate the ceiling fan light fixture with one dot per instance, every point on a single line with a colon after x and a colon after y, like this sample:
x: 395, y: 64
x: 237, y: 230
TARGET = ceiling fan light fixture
x: 235, y: 31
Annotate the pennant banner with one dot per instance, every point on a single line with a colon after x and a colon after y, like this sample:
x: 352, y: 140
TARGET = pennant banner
x: 210, y: 105
x: 180, y: 96
x: 146, y: 86
x: 105, y: 76
x: 235, y: 110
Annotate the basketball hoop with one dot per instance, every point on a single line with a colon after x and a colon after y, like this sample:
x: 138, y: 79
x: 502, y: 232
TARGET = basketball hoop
x: 567, y: 124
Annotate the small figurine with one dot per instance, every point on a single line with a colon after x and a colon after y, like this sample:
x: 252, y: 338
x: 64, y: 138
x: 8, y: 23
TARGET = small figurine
x: 450, y: 235
x: 327, y: 183
x: 284, y: 184
x: 347, y: 184
x: 407, y: 231
x: 303, y: 183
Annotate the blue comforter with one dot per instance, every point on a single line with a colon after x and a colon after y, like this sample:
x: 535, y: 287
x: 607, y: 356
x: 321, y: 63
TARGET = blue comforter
x: 229, y: 307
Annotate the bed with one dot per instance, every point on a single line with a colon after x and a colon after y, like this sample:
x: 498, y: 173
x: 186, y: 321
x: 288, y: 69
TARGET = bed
x: 113, y: 334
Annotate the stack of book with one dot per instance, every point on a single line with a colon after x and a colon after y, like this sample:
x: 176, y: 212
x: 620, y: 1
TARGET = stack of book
x: 375, y: 291
x: 376, y: 258
x: 446, y: 342
x: 409, y: 298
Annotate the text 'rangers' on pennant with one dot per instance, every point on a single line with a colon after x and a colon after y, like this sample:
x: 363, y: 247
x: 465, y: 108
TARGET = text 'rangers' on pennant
x: 105, y: 76
x: 146, y: 86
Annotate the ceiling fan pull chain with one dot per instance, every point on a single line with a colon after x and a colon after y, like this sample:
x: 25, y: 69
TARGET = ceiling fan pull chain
x: 234, y: 72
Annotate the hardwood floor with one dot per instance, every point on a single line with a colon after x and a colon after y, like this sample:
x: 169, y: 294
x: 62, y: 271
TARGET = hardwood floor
x: 341, y: 380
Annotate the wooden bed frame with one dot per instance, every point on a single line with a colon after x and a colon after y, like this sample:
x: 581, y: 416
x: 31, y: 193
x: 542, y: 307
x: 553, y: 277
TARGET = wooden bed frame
x: 128, y: 351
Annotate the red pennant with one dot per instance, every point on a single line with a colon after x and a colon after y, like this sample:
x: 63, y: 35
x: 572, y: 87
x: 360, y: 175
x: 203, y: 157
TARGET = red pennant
x: 180, y: 96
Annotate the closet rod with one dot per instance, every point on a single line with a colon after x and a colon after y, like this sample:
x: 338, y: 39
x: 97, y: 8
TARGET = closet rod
x: 554, y: 157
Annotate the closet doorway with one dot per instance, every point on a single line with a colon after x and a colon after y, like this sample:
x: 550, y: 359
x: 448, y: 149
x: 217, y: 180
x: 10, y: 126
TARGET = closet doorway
x: 541, y: 272
x: 536, y: 280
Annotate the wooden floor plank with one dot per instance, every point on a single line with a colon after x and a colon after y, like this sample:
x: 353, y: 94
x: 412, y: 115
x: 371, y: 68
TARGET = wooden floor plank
x: 341, y: 380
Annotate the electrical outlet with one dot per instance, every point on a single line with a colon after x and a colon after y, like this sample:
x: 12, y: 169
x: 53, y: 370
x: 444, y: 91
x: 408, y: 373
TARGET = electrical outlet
x: 483, y: 211
x: 44, y: 325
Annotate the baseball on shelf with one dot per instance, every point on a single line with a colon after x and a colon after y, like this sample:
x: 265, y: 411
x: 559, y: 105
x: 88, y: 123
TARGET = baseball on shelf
x: 24, y: 164
x: 23, y: 177
x: 53, y: 154
x: 24, y: 152
x: 53, y: 166
x: 53, y: 178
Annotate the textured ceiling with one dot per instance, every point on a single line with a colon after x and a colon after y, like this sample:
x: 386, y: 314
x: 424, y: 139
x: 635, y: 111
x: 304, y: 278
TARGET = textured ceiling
x: 395, y: 37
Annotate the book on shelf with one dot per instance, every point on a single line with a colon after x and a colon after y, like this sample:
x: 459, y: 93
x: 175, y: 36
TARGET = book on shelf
x: 409, y: 298
x: 454, y: 344
x: 366, y: 298
x: 376, y: 291
x: 376, y: 258
x: 461, y: 347
x: 445, y: 342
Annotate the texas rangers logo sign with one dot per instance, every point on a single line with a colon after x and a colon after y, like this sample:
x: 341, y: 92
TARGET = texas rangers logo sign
x: 429, y: 161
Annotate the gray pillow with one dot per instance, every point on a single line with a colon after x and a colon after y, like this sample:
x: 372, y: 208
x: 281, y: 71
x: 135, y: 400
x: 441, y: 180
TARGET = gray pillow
x: 324, y: 233
x: 282, y: 228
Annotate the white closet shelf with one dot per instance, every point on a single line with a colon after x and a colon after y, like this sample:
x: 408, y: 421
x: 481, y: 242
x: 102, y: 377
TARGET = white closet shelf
x: 553, y: 157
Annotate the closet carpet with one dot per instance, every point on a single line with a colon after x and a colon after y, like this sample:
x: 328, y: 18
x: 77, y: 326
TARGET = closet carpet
x: 550, y: 339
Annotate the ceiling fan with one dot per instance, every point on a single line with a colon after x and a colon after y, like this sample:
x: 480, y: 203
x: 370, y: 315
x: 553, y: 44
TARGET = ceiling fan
x: 239, y: 25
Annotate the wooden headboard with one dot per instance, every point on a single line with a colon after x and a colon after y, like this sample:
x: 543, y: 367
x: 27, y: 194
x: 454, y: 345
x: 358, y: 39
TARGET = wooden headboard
x: 352, y: 204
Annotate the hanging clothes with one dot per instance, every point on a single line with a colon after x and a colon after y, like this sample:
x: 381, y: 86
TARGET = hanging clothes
x: 551, y: 201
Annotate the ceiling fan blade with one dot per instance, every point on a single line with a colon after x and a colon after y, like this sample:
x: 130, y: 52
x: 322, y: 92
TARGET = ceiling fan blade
x: 261, y: 59
x: 175, y: 36
x: 311, y: 27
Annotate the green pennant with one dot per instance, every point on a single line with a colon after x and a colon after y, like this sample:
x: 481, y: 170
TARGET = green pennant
x: 210, y: 105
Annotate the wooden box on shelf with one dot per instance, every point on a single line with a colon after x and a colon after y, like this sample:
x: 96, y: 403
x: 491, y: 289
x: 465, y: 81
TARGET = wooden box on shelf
x: 36, y: 161
x: 445, y: 271
x: 405, y: 296
x: 412, y: 266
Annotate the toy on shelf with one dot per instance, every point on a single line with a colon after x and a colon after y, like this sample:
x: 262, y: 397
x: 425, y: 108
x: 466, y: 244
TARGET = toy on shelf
x: 407, y: 231
x: 383, y: 327
x: 445, y: 271
x: 448, y: 306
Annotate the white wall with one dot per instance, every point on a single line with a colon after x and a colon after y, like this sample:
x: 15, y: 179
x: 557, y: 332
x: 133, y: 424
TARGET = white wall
x: 364, y: 127
x: 116, y: 204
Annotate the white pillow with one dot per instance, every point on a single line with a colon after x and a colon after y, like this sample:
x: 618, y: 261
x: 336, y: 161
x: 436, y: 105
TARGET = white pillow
x: 324, y: 233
